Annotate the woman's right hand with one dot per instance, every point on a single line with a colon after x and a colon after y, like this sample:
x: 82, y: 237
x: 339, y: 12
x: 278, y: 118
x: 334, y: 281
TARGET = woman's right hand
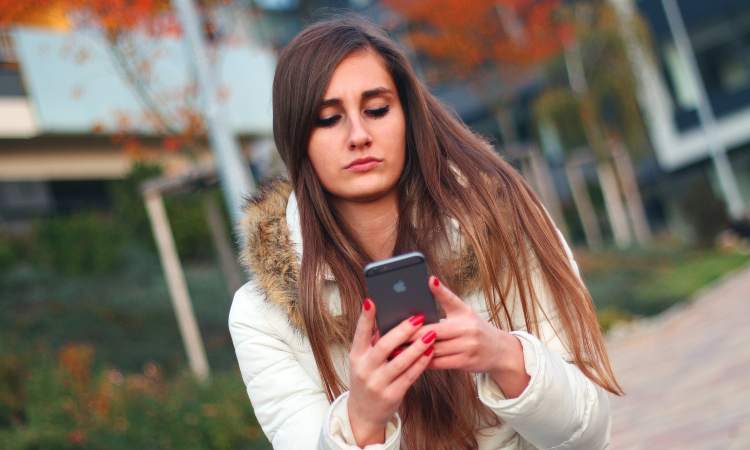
x: 378, y: 385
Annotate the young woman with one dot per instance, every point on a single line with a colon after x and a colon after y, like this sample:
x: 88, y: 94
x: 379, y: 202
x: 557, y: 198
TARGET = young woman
x: 378, y: 167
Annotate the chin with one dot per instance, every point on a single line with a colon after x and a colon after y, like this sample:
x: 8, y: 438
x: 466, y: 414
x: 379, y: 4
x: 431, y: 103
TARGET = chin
x: 363, y: 192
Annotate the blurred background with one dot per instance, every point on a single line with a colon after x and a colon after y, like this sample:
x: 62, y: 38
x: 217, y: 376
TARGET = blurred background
x: 131, y: 129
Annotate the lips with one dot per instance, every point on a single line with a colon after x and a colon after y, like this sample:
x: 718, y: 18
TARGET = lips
x: 363, y: 162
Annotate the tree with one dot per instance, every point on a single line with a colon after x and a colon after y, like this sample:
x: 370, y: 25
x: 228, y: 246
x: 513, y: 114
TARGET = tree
x: 492, y: 42
x: 497, y: 45
x: 592, y: 91
x: 468, y: 35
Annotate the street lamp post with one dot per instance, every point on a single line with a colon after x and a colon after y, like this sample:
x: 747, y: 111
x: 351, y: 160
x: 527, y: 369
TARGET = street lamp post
x: 716, y: 146
x: 235, y: 178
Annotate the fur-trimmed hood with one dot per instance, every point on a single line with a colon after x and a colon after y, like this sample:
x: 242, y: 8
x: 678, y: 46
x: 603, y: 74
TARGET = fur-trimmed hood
x: 272, y: 249
x: 268, y: 253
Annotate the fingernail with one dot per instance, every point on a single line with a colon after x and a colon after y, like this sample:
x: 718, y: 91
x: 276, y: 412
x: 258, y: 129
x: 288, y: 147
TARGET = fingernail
x: 428, y: 352
x: 417, y: 320
x: 429, y: 337
x: 396, y: 352
x: 435, y: 281
x: 367, y: 304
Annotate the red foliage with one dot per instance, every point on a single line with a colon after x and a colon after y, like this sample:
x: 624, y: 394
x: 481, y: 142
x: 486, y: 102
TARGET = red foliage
x: 467, y: 34
x: 117, y: 16
x: 113, y: 16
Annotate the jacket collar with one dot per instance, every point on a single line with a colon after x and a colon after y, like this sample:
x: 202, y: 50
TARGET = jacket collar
x: 292, y: 223
x: 269, y: 253
x: 272, y: 250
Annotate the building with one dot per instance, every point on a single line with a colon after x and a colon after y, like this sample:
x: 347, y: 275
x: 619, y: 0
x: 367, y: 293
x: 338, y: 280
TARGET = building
x: 68, y: 111
x: 720, y: 36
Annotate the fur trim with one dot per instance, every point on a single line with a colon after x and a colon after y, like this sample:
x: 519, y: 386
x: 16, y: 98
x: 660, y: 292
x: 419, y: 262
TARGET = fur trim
x: 267, y: 252
x: 269, y: 256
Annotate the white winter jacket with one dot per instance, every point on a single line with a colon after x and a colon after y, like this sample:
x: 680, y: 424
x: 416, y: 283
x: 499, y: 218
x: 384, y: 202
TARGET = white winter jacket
x: 559, y: 409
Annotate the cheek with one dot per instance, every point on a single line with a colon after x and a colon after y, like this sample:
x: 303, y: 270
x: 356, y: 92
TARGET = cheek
x: 396, y: 139
x: 321, y: 156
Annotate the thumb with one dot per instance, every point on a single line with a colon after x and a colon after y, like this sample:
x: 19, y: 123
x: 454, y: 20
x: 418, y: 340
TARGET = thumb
x: 449, y: 301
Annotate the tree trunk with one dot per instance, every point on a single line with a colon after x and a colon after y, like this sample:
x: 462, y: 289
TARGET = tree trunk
x: 631, y: 192
x: 546, y: 188
x: 618, y: 219
x: 583, y: 205
x: 507, y: 126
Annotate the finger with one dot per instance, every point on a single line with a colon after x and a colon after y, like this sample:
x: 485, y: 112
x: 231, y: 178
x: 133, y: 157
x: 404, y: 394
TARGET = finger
x: 451, y: 347
x: 407, y: 357
x: 447, y: 299
x: 400, y: 334
x: 446, y: 329
x: 365, y: 324
x: 411, y: 374
x: 456, y: 361
x: 375, y: 336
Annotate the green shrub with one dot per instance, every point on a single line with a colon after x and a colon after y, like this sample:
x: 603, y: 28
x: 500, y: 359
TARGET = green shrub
x: 645, y: 282
x: 610, y: 316
x: 88, y: 242
x: 187, y: 217
x: 7, y: 254
x: 186, y: 213
x: 705, y: 213
x: 12, y: 374
x: 127, y: 203
x: 97, y: 242
x: 68, y: 404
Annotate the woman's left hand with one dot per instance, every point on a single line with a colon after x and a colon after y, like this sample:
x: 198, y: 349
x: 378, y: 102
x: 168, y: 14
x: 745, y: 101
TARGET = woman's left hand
x: 466, y: 341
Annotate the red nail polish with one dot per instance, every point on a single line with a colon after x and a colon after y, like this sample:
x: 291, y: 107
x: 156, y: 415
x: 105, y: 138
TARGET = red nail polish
x: 417, y: 320
x: 428, y: 352
x: 396, y: 352
x: 435, y: 281
x: 429, y: 337
x: 367, y: 304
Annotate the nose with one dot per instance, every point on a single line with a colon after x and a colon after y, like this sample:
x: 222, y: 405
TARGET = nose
x: 359, y: 137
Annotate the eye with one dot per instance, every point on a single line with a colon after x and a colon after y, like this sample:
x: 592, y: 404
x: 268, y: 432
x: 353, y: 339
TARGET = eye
x: 380, y: 112
x: 327, y: 121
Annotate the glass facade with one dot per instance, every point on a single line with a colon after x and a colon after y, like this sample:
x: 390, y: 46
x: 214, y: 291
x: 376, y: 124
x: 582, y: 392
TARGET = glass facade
x: 720, y: 35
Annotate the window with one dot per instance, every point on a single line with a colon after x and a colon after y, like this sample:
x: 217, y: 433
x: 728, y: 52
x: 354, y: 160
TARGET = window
x: 10, y: 78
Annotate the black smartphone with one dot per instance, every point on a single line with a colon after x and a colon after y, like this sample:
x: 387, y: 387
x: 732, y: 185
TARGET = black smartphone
x: 398, y: 286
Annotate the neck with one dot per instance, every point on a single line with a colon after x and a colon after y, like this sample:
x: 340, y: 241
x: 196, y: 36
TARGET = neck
x: 373, y: 223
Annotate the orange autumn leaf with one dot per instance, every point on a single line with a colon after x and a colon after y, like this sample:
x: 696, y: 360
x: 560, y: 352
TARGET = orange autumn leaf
x: 113, y: 16
x: 469, y: 34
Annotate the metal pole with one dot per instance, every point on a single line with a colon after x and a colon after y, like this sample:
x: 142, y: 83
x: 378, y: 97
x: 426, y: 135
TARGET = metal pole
x: 234, y: 174
x: 191, y: 335
x: 716, y: 145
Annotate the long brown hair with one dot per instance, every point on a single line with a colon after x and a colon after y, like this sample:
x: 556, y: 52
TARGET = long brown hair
x: 450, y: 172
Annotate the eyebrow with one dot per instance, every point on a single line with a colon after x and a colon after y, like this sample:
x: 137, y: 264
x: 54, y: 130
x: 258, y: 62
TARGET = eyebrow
x: 370, y: 93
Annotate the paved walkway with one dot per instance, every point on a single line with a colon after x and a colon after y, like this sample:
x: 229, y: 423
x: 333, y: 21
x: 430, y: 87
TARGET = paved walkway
x: 686, y: 374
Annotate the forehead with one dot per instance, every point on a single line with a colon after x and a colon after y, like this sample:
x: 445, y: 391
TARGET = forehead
x: 358, y: 72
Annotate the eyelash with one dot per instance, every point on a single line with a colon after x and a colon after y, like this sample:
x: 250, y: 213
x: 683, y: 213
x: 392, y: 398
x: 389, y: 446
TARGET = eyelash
x: 330, y: 121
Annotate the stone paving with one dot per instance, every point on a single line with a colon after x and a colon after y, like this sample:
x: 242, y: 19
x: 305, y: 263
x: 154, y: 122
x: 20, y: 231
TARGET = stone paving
x: 686, y: 373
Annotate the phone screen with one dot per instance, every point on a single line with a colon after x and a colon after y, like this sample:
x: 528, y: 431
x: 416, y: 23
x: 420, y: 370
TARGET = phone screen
x: 398, y: 286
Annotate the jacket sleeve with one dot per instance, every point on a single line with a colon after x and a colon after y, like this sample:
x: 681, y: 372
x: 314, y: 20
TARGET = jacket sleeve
x: 289, y: 403
x: 560, y: 408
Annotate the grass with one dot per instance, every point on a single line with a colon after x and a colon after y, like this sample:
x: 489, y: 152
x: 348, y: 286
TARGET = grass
x: 645, y: 282
x: 128, y: 314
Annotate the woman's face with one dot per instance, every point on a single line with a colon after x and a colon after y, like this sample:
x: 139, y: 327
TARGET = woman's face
x: 357, y: 144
